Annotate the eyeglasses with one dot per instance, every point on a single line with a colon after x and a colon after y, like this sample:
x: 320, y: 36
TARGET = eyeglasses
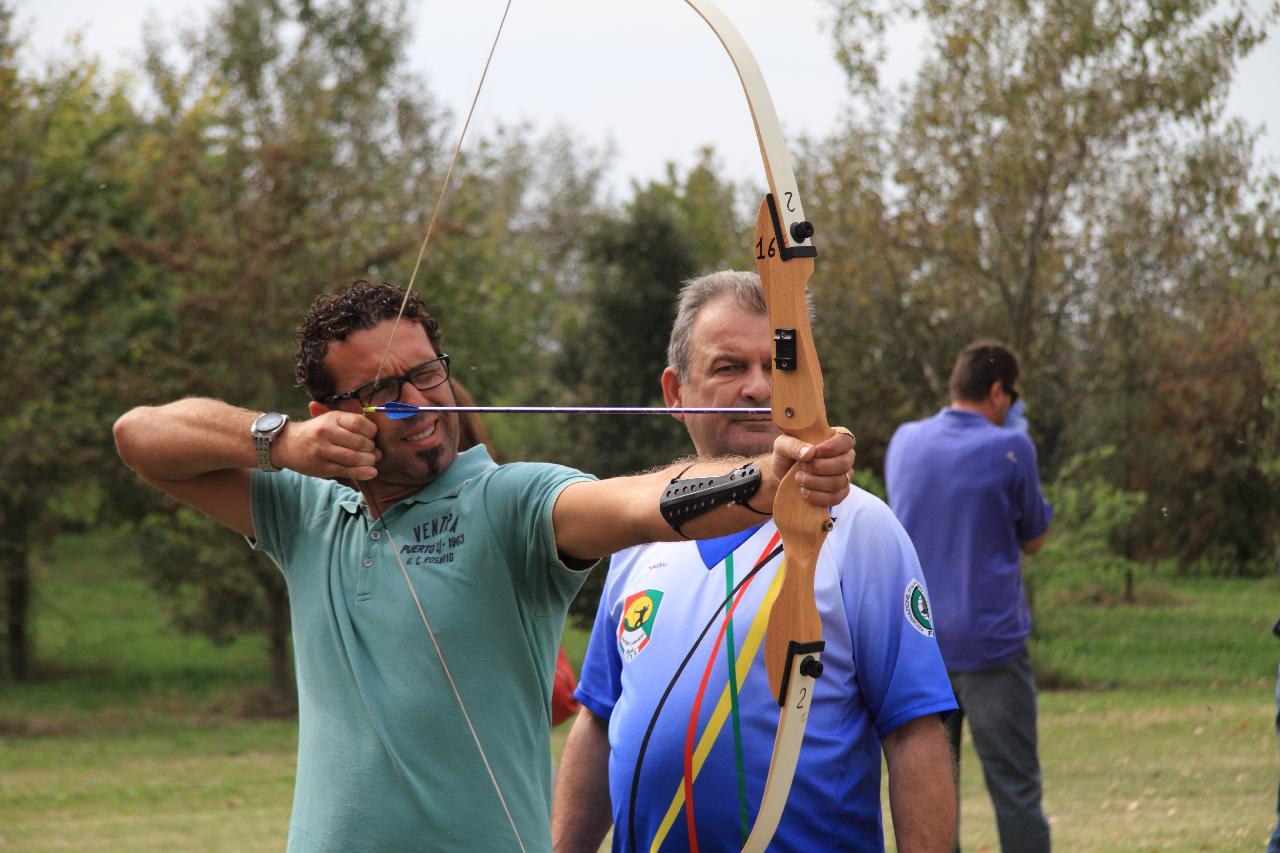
x: 386, y: 390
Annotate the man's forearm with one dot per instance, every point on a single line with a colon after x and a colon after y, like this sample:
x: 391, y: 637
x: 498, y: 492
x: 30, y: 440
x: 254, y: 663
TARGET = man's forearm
x: 184, y: 439
x: 598, y: 518
x: 922, y: 795
x: 722, y: 514
x: 1031, y: 547
x: 580, y: 811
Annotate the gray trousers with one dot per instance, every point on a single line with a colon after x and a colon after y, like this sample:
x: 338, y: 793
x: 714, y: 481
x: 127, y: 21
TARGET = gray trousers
x: 1000, y: 704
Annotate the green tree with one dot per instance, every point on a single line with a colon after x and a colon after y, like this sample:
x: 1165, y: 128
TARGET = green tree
x: 1062, y: 176
x: 277, y: 163
x: 288, y: 152
x: 65, y: 132
x: 615, y: 347
x: 1089, y: 513
x: 1172, y: 358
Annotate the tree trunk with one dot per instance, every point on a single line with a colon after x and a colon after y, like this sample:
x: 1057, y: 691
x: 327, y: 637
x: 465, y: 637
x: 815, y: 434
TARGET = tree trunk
x: 15, y: 566
x: 282, y: 683
x: 275, y: 596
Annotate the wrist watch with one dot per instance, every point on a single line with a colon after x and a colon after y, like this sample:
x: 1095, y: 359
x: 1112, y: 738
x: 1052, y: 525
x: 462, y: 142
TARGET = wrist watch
x: 265, y: 429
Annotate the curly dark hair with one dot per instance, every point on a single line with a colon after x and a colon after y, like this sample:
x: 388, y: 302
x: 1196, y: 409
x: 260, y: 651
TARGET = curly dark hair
x: 333, y: 316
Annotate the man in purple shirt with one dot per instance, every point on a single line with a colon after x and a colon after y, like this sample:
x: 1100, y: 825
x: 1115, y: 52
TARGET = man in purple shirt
x: 968, y: 494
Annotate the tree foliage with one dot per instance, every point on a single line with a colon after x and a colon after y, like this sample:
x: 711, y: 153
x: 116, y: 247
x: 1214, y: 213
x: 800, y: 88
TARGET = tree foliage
x: 64, y: 130
x: 615, y: 348
x: 295, y: 154
x: 278, y: 150
x: 1063, y: 176
x: 1090, y: 514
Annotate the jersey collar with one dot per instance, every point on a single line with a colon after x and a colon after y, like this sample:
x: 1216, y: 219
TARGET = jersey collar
x: 714, y: 551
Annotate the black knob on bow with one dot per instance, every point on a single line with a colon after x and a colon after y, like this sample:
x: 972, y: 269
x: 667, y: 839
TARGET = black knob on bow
x: 802, y: 230
x: 811, y: 667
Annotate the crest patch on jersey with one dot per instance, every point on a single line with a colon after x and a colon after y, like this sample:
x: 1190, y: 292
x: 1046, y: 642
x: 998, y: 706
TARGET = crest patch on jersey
x: 915, y: 605
x: 635, y: 628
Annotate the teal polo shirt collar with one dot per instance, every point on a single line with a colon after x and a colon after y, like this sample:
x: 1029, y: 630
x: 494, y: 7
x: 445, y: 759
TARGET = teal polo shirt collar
x: 469, y: 465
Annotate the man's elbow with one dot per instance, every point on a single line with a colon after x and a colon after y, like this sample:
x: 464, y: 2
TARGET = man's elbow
x: 1032, y: 546
x: 132, y: 433
x: 128, y: 435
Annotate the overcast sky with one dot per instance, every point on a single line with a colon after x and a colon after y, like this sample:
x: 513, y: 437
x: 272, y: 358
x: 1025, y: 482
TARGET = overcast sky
x: 650, y: 76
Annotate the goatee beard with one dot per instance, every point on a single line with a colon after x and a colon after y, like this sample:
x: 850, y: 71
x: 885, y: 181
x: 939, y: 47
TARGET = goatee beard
x: 434, y: 460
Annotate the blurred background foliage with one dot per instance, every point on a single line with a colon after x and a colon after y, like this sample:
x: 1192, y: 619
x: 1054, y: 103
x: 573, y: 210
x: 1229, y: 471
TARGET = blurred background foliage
x: 1059, y: 175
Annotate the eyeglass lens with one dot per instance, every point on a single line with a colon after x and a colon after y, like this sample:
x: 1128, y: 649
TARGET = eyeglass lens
x: 424, y: 377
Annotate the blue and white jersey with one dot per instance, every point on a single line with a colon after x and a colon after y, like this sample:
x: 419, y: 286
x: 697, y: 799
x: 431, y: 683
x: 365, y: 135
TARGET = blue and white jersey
x: 704, y: 767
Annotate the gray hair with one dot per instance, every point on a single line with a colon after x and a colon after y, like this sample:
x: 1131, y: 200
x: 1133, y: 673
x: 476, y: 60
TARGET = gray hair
x: 743, y: 287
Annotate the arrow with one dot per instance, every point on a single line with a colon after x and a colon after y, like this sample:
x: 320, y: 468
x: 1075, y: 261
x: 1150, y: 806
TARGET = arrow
x: 400, y: 411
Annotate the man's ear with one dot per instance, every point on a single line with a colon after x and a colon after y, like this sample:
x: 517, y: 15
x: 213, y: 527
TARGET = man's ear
x: 994, y: 392
x: 671, y: 389
x: 316, y: 408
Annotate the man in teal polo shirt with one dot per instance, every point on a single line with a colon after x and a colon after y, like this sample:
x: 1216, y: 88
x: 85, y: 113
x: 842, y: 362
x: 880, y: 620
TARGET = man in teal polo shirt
x: 428, y: 601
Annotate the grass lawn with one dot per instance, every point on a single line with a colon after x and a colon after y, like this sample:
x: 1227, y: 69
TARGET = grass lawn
x: 1160, y: 734
x: 1137, y: 771
x: 211, y: 786
x: 1161, y: 737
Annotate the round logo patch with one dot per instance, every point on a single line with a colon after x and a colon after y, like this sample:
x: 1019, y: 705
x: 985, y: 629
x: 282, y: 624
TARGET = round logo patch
x: 915, y: 606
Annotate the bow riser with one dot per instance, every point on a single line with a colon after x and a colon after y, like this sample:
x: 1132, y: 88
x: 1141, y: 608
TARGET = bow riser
x: 798, y: 407
x: 798, y: 410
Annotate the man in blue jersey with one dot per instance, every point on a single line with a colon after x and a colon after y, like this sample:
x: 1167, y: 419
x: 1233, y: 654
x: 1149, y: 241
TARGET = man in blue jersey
x: 699, y: 781
x: 968, y: 492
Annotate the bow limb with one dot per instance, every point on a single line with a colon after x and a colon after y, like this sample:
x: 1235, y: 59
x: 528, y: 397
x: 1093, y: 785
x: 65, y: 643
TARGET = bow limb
x: 784, y: 258
x: 777, y: 162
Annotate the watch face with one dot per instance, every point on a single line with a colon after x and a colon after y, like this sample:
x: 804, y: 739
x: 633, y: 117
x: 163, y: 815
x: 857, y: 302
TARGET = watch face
x: 268, y: 421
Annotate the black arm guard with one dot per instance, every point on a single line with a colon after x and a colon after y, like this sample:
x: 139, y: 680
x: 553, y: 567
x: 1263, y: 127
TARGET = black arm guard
x: 685, y: 500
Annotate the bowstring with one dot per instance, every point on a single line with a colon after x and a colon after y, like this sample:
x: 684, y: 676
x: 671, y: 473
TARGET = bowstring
x: 368, y: 493
x: 444, y: 190
x: 435, y: 643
